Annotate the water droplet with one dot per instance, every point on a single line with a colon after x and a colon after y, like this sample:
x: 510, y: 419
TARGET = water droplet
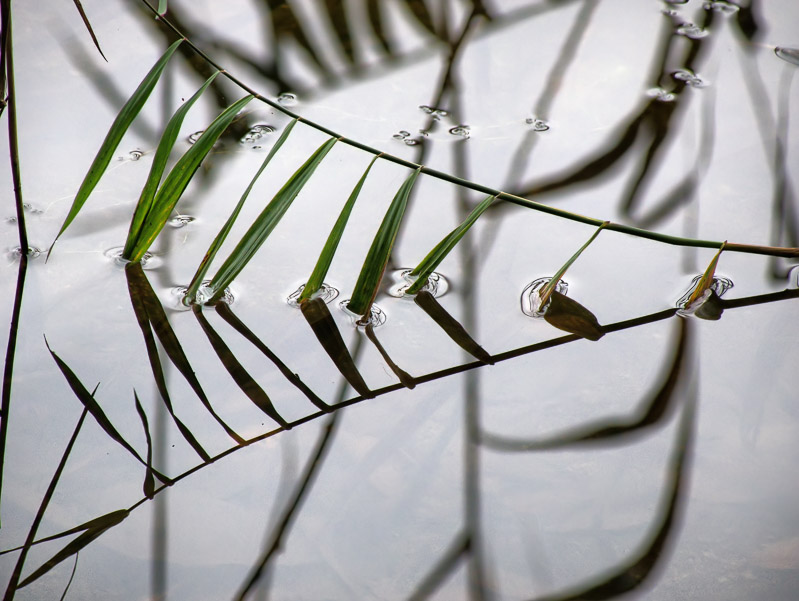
x: 531, y: 300
x: 435, y: 113
x: 538, y: 124
x: 660, y: 95
x: 437, y: 284
x: 192, y: 138
x: 327, y: 293
x: 33, y: 252
x: 721, y: 7
x: 788, y: 54
x: 410, y: 142
x: 463, y: 131
x: 287, y: 99
x: 720, y: 286
x: 689, y: 77
x: 181, y: 221
x: 257, y: 132
x: 204, y: 294
x: 377, y: 317
x: 401, y: 135
x: 691, y: 31
x: 148, y: 260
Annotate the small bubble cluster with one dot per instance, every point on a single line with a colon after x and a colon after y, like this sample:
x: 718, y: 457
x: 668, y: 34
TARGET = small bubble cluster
x: 326, y: 292
x: 462, y: 131
x: 721, y: 7
x: 689, y: 77
x: 16, y: 252
x: 661, y: 95
x: 181, y: 221
x: 404, y: 136
x: 256, y: 133
x: 435, y: 113
x: 287, y: 99
x: 691, y: 31
x: 537, y: 124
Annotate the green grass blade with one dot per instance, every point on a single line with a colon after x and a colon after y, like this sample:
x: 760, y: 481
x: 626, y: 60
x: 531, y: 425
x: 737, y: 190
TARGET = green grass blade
x: 162, y: 7
x: 549, y: 288
x: 326, y: 258
x: 159, y: 165
x: 266, y: 222
x: 423, y: 270
x: 112, y: 139
x: 88, y: 25
x: 376, y: 259
x: 178, y: 179
x: 196, y: 282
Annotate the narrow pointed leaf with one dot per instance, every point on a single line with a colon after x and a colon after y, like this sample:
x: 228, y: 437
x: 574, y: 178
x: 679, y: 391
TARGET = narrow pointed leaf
x: 137, y: 289
x: 326, y: 258
x: 179, y: 177
x: 707, y: 278
x: 550, y: 287
x: 88, y: 25
x: 377, y: 258
x: 149, y: 479
x: 108, y: 521
x: 160, y: 159
x: 166, y: 335
x: 87, y: 399
x: 404, y: 377
x: 266, y: 222
x: 225, y: 313
x: 196, y: 282
x: 423, y: 270
x: 236, y: 370
x: 451, y: 326
x: 324, y: 327
x: 121, y: 124
x: 570, y: 316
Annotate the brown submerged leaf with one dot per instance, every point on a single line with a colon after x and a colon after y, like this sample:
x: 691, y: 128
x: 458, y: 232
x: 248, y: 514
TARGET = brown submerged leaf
x: 570, y: 316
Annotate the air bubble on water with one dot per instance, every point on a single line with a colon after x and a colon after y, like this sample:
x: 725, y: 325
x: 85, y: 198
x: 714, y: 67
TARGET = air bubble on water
x: 537, y: 124
x: 377, y: 317
x: 204, y: 294
x: 148, y: 260
x: 181, y: 221
x: 721, y: 7
x: 192, y: 138
x: 689, y: 77
x: 31, y: 209
x: 401, y: 135
x: 720, y: 286
x: 435, y: 113
x: 287, y: 99
x: 410, y: 142
x: 326, y: 292
x: 462, y: 131
x: 133, y: 155
x: 788, y: 54
x: 691, y: 31
x: 33, y: 252
x: 660, y: 95
x: 531, y: 299
x: 257, y: 132
x: 437, y: 284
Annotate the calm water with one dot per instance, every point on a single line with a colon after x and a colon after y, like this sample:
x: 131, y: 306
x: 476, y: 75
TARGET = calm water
x: 669, y: 116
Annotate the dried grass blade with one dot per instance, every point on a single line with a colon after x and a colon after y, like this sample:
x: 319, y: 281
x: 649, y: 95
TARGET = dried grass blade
x: 121, y: 124
x: 404, y: 377
x: 179, y: 177
x: 423, y: 270
x: 196, y: 282
x: 707, y: 278
x: 149, y: 478
x: 451, y: 326
x: 326, y: 257
x: 324, y: 327
x: 266, y: 222
x: 236, y: 370
x: 570, y: 316
x: 158, y: 167
x: 377, y: 258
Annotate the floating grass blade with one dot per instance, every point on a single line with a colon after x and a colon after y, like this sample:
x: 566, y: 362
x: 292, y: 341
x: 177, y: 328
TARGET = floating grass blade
x: 196, y: 282
x: 150, y: 313
x: 165, y: 146
x: 178, y: 179
x: 570, y: 316
x: 326, y: 258
x: 324, y: 327
x: 121, y: 124
x: 224, y: 311
x: 550, y: 287
x: 377, y: 258
x: 707, y: 279
x: 423, y: 270
x: 100, y: 526
x: 266, y: 222
x: 86, y: 22
x: 451, y: 326
x: 236, y: 370
x: 404, y: 377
